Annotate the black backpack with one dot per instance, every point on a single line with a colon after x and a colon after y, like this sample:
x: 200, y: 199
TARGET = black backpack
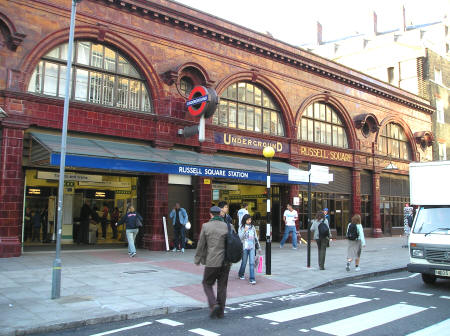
x: 352, y: 233
x: 233, y: 246
x: 323, y: 230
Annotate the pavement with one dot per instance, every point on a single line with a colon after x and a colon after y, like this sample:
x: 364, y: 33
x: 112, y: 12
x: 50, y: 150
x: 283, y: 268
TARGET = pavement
x: 100, y: 286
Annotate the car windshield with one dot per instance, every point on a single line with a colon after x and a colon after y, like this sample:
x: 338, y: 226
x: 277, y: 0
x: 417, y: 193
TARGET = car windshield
x: 434, y: 220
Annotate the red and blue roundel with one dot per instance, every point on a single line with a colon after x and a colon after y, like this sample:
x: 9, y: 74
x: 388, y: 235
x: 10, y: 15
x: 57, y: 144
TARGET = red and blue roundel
x: 202, y: 101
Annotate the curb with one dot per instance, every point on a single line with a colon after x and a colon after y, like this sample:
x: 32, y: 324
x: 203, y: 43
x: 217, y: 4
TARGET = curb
x: 167, y: 310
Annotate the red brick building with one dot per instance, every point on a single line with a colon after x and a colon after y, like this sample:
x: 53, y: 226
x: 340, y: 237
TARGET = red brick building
x: 135, y: 63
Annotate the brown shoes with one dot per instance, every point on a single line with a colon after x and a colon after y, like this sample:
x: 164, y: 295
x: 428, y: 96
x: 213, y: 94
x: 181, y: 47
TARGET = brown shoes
x: 216, y: 312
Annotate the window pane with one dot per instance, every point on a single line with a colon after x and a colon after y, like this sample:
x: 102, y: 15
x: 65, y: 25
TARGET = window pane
x: 258, y: 98
x: 258, y: 118
x: 328, y: 114
x: 241, y: 116
x: 95, y: 87
x: 273, y: 122
x: 145, y: 103
x: 328, y: 131
x: 280, y: 127
x: 250, y: 117
x: 345, y: 140
x: 232, y: 114
x: 323, y: 134
x: 62, y: 81
x: 81, y: 85
x: 395, y: 149
x: 249, y: 95
x: 241, y: 92
x: 54, y: 53
x: 394, y: 131
x: 122, y: 92
x: 51, y: 79
x: 266, y: 102
x: 215, y: 118
x: 317, y: 111
x: 335, y: 136
x: 232, y: 92
x: 64, y: 50
x: 223, y: 95
x: 83, y: 52
x: 108, y: 90
x: 35, y: 84
x: 266, y: 121
x: 334, y: 118
x: 223, y: 113
x: 304, y: 129
x: 310, y: 111
x: 110, y: 59
x: 316, y: 131
x: 134, y: 95
x: 310, y: 130
x: 97, y: 55
x: 322, y: 111
x: 340, y: 137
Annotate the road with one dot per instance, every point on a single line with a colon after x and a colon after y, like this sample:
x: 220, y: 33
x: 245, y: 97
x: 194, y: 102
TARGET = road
x: 395, y: 304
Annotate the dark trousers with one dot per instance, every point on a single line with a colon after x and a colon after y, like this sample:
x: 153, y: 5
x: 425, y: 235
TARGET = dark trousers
x: 83, y: 234
x: 104, y: 226
x: 114, y: 229
x: 179, y: 236
x: 322, y: 249
x: 210, y: 276
x: 36, y: 233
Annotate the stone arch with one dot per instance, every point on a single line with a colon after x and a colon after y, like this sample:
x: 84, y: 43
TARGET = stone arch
x: 12, y: 37
x: 339, y: 107
x: 98, y: 35
x: 256, y: 78
x: 406, y: 129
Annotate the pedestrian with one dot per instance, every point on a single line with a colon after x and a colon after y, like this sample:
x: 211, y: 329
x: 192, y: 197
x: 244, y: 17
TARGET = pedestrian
x: 36, y: 223
x: 44, y: 221
x: 179, y: 219
x: 242, y: 211
x: 327, y: 216
x: 356, y: 241
x: 114, y: 219
x: 211, y: 253
x: 28, y: 228
x: 104, y: 221
x: 131, y: 220
x: 250, y: 244
x: 322, y: 237
x: 223, y: 205
x: 408, y: 219
x: 85, y: 214
x: 290, y: 216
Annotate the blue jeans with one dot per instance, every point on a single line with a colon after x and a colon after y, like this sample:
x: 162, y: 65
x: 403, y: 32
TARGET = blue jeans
x: 287, y: 230
x: 131, y: 236
x: 250, y: 255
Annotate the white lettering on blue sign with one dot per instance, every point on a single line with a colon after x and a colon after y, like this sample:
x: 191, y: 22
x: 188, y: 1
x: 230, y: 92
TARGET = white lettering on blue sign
x: 237, y: 174
x: 197, y: 100
x: 190, y: 170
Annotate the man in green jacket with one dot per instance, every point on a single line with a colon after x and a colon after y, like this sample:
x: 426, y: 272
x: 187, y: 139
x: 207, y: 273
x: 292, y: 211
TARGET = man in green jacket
x: 211, y: 253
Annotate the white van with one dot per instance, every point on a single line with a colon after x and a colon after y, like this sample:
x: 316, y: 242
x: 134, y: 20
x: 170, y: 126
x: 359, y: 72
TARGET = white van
x: 429, y: 239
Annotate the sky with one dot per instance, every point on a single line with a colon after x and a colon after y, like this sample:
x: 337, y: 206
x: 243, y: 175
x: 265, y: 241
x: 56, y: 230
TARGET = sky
x: 295, y: 21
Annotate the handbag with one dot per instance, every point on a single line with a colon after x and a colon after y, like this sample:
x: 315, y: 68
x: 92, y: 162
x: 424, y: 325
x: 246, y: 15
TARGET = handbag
x: 138, y: 222
x: 260, y: 264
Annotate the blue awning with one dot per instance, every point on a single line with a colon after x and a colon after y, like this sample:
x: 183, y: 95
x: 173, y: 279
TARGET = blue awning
x: 130, y: 157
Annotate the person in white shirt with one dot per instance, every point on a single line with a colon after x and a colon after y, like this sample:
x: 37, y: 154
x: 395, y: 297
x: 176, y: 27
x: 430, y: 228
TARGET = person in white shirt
x: 243, y: 211
x: 290, y: 216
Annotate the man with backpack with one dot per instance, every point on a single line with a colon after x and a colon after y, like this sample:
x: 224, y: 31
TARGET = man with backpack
x: 322, y: 235
x: 211, y: 253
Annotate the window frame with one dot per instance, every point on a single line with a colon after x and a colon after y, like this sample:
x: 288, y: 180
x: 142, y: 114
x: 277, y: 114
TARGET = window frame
x: 387, y: 141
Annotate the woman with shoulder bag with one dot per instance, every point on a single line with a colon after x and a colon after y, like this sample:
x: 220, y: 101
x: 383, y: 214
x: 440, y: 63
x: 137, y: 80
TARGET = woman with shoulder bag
x: 249, y: 238
x: 322, y: 236
x: 133, y: 221
x: 356, y: 241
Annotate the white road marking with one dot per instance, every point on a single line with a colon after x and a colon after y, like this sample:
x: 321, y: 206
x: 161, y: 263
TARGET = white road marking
x: 440, y: 328
x: 304, y: 330
x: 385, y: 280
x: 421, y: 293
x: 369, y: 320
x: 122, y: 329
x: 169, y: 322
x: 392, y: 290
x: 203, y: 332
x: 360, y: 286
x: 445, y: 297
x: 312, y: 309
x: 248, y: 317
x: 274, y: 323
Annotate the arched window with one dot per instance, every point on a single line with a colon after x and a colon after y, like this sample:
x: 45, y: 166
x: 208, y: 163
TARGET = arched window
x: 100, y: 75
x: 392, y: 141
x: 320, y: 123
x: 248, y: 107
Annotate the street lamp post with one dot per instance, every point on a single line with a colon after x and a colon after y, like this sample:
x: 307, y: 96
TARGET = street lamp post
x: 56, y: 273
x: 268, y: 153
x: 308, y: 257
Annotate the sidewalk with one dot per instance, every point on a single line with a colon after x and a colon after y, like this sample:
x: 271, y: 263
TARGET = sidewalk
x: 107, y: 285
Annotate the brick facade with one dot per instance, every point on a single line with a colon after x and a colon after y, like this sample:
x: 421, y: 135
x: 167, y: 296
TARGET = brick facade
x: 163, y: 39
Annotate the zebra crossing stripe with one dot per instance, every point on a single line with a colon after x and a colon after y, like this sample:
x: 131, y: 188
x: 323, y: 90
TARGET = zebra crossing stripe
x: 440, y: 328
x: 203, y: 332
x: 421, y: 293
x: 312, y: 309
x: 171, y: 323
x: 359, y: 286
x: 358, y: 323
x: 122, y: 329
x: 392, y: 290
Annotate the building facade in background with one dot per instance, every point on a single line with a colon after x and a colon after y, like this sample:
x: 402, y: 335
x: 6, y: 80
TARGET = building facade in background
x: 134, y: 65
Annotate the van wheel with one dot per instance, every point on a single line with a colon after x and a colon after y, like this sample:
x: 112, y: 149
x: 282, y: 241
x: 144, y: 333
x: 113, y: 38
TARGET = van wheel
x: 428, y: 278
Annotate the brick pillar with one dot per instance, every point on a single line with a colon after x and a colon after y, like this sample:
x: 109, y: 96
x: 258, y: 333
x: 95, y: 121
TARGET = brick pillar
x: 356, y: 191
x: 156, y: 198
x: 11, y: 191
x: 376, y: 217
x: 203, y: 201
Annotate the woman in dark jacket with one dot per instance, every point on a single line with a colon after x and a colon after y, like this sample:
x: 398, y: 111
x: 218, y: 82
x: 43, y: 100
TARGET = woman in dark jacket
x: 132, y: 222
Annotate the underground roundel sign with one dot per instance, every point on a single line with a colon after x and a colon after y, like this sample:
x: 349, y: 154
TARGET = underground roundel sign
x: 202, y: 101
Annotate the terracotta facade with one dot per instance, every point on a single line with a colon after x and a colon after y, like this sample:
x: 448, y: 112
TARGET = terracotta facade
x: 164, y: 39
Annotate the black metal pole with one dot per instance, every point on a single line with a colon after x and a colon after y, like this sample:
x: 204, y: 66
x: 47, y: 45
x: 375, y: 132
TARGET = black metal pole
x: 308, y: 263
x: 268, y: 226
